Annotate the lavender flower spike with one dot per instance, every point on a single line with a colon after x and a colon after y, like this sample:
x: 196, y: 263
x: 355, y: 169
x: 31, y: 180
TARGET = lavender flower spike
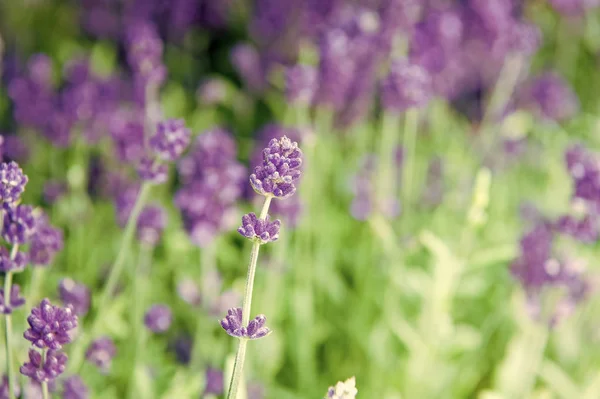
x: 44, y: 370
x: 101, y: 352
x: 50, y: 325
x: 12, y: 182
x: 75, y: 294
x: 258, y: 230
x: 282, y: 160
x: 75, y: 388
x: 158, y: 318
x: 343, y: 390
x: 15, y: 300
x: 170, y: 140
x: 232, y: 324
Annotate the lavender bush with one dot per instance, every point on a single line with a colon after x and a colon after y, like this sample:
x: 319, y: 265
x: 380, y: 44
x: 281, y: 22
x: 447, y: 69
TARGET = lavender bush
x: 442, y: 218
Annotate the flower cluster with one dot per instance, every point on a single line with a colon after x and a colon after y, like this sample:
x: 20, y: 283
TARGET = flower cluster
x: 343, y: 390
x: 212, y: 183
x: 46, y: 242
x: 74, y: 294
x: 259, y: 230
x: 280, y: 169
x: 75, y: 388
x: 49, y: 329
x: 158, y: 318
x: 101, y: 352
x: 232, y: 324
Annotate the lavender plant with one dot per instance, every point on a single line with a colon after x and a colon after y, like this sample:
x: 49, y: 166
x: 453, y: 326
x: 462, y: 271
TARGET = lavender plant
x: 275, y: 178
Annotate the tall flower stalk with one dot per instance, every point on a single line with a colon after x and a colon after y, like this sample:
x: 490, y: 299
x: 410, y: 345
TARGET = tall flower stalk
x: 275, y: 178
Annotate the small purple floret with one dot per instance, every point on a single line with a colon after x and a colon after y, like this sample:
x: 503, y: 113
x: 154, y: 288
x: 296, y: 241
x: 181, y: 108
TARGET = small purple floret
x: 262, y: 231
x: 12, y: 182
x: 46, y: 242
x: 232, y: 324
x: 170, y: 140
x: 19, y: 224
x: 16, y: 300
x: 150, y: 224
x: 49, y: 325
x: 406, y: 86
x: 152, y: 171
x: 75, y: 388
x: 158, y: 318
x: 52, y: 367
x: 16, y: 264
x: 101, y: 352
x: 75, y: 294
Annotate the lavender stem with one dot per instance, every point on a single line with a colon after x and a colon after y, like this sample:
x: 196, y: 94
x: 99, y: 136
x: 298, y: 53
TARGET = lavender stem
x: 45, y: 394
x: 117, y: 267
x: 8, y: 327
x: 410, y: 144
x: 240, y: 357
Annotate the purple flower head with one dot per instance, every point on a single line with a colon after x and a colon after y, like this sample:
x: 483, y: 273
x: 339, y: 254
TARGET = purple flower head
x: 12, y: 182
x: 261, y: 231
x: 49, y: 325
x: 280, y: 169
x: 212, y: 91
x: 150, y: 224
x: 4, y: 392
x: 158, y: 318
x: 101, y: 353
x: 171, y: 139
x: 145, y: 50
x: 406, y: 86
x: 77, y: 295
x: 584, y: 168
x: 44, y: 370
x: 300, y: 84
x: 585, y: 229
x: 152, y: 171
x: 573, y: 7
x: 552, y: 97
x: 127, y: 132
x: 214, y: 382
x: 15, y: 300
x: 54, y: 190
x: 13, y: 264
x: 15, y: 148
x: 248, y: 63
x: 46, y: 242
x: 232, y: 324
x: 19, y: 224
x: 75, y: 388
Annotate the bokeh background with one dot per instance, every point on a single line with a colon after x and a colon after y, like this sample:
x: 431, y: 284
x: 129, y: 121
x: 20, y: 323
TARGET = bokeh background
x: 443, y: 242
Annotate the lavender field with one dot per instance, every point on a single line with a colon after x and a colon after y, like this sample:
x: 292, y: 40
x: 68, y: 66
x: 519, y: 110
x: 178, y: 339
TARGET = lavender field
x: 300, y: 199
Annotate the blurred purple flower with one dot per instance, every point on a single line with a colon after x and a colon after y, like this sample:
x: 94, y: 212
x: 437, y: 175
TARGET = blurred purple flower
x: 54, y: 190
x: 19, y: 224
x: 152, y: 171
x: 75, y: 388
x: 77, y: 295
x: 101, y: 353
x: 15, y: 301
x: 406, y: 86
x: 551, y: 96
x: 14, y: 264
x: 46, y: 242
x: 248, y: 63
x: 300, y: 84
x: 214, y: 382
x: 4, y: 388
x: 212, y: 91
x: 150, y: 224
x: 171, y: 139
x: 158, y: 318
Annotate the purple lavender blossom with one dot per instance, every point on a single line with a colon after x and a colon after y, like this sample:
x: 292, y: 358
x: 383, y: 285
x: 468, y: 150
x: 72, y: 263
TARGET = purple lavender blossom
x: 14, y: 148
x: 16, y: 264
x: 44, y: 371
x: 152, y: 171
x: 258, y: 230
x: 584, y: 168
x: 12, y: 182
x: 150, y: 224
x: 75, y: 388
x: 552, y: 97
x: 406, y: 86
x: 19, y: 224
x: 46, y: 242
x: 574, y: 7
x: 212, y: 91
x: 300, y: 84
x: 16, y: 300
x: 585, y: 229
x: 4, y: 388
x: 77, y: 295
x: 145, y: 50
x: 248, y: 63
x: 101, y: 353
x: 232, y: 324
x: 127, y: 132
x: 158, y: 318
x: 280, y: 169
x: 214, y: 382
x: 170, y: 140
x: 212, y: 183
x: 49, y: 325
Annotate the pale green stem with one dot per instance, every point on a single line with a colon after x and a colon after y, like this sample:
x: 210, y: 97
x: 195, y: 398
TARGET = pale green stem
x: 207, y: 262
x: 410, y: 143
x: 386, y: 184
x: 238, y: 367
x: 117, y: 268
x: 138, y: 298
x: 34, y: 285
x: 45, y: 394
x: 8, y: 328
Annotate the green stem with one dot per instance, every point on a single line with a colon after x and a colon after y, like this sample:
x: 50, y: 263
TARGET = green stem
x: 138, y: 305
x: 45, y: 394
x: 410, y: 144
x: 207, y: 263
x: 240, y: 357
x: 8, y: 336
x: 34, y: 285
x: 386, y: 186
x: 117, y: 267
x: 8, y: 327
